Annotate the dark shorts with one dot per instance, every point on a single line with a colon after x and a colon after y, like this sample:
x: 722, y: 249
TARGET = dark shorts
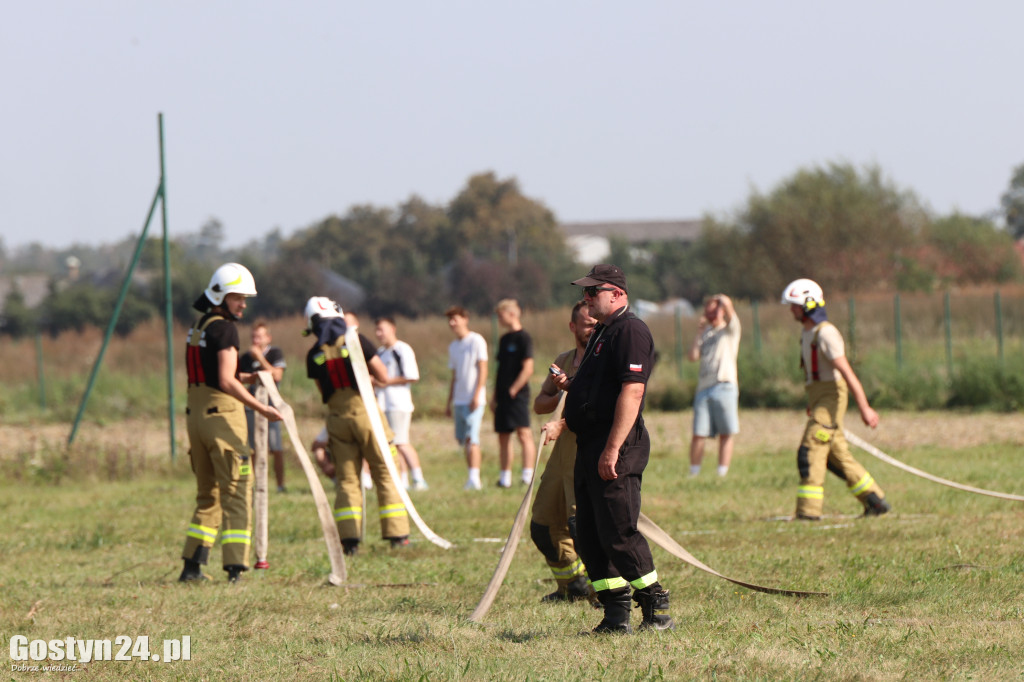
x: 513, y: 413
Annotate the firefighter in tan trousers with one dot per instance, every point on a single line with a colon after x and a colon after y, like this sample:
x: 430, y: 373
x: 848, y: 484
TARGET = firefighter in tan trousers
x: 217, y: 434
x: 830, y: 382
x: 350, y: 434
x: 552, y: 525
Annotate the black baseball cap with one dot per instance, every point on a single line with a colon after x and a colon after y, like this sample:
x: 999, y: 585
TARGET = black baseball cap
x: 604, y: 274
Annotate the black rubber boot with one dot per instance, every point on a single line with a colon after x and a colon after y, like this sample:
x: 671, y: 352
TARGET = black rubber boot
x: 234, y: 572
x: 577, y: 589
x: 401, y: 541
x: 350, y: 546
x: 616, y: 612
x: 653, y: 604
x: 192, y: 572
x: 875, y: 505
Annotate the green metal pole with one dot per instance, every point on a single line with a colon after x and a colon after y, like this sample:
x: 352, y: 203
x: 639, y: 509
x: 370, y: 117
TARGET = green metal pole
x: 755, y: 311
x: 679, y: 342
x: 948, y: 324
x: 168, y: 317
x: 39, y: 370
x: 852, y: 307
x: 999, y: 324
x: 113, y: 318
x: 898, y: 331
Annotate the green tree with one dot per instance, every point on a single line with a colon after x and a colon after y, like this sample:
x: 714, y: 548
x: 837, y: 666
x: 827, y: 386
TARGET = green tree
x: 972, y: 250
x: 18, y: 319
x: 1013, y: 203
x: 496, y: 223
x: 845, y: 228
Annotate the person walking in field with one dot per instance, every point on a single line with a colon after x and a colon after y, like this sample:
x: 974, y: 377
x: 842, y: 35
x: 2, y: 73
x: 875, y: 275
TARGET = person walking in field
x: 263, y: 356
x: 553, y: 520
x: 218, y: 444
x: 716, y: 405
x: 830, y: 380
x: 511, y: 401
x: 350, y: 433
x: 467, y: 359
x: 395, y: 396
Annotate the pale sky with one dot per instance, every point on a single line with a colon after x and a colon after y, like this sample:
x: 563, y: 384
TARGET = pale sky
x: 278, y: 114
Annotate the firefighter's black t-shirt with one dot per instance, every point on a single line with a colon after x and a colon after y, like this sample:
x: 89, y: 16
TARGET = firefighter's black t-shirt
x: 221, y: 333
x: 620, y: 351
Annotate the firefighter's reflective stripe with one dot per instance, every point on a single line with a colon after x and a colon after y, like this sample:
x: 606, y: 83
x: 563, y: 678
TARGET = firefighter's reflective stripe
x: 609, y: 584
x: 204, y: 533
x: 392, y: 511
x: 569, y: 572
x: 241, y: 537
x: 823, y: 435
x: 811, y: 492
x: 863, y: 484
x: 244, y: 470
x: 645, y: 580
x: 343, y: 513
x: 196, y: 341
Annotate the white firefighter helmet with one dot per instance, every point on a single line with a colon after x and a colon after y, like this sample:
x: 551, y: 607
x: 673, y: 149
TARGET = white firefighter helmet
x: 230, y: 278
x: 320, y: 307
x: 805, y: 293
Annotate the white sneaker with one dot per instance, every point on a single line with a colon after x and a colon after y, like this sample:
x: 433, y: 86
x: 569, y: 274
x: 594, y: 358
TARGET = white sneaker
x: 419, y: 485
x: 473, y: 485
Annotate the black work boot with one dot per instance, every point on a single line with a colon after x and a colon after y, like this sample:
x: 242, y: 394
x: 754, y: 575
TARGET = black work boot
x: 653, y: 604
x: 577, y: 589
x: 875, y: 505
x: 400, y: 541
x: 349, y: 546
x: 192, y: 572
x: 616, y: 612
x: 234, y: 572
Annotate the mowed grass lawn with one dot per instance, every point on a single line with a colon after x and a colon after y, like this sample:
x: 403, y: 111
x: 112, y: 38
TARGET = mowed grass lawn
x: 934, y: 590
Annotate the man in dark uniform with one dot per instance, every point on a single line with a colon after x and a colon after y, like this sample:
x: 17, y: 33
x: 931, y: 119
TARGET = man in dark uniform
x: 604, y: 408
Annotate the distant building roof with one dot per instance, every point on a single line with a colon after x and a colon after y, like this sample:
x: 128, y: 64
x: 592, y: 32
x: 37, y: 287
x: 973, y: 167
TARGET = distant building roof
x: 34, y: 288
x: 635, y: 231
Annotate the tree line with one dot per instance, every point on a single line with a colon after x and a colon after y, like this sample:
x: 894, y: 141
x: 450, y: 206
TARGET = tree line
x: 850, y: 228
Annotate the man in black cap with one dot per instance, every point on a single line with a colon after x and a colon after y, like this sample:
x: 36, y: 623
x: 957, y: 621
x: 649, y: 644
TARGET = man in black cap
x: 604, y: 409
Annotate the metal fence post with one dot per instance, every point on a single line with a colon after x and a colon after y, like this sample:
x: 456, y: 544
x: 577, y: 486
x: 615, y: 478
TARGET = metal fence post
x: 898, y: 331
x: 999, y: 324
x: 948, y: 324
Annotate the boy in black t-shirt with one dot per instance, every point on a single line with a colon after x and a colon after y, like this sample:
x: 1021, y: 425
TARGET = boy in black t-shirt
x: 511, y: 401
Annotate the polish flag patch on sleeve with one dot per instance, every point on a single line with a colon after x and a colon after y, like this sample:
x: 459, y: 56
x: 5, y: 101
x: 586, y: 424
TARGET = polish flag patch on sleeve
x: 635, y: 368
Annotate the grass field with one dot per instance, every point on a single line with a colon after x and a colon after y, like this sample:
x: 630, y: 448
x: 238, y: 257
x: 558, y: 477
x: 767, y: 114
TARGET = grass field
x: 932, y: 591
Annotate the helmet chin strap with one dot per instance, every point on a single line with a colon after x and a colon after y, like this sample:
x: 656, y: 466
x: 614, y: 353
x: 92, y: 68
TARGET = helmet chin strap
x: 223, y: 309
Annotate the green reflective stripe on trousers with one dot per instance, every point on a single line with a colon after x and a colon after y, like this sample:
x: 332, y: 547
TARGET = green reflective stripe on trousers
x: 342, y: 513
x: 811, y: 492
x: 244, y: 470
x: 571, y: 571
x: 242, y: 537
x: 392, y: 510
x: 645, y: 580
x: 609, y: 584
x: 862, y: 485
x: 202, y: 532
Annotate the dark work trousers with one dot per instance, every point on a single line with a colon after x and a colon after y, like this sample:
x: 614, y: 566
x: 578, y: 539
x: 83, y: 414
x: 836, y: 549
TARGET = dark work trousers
x: 612, y: 548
